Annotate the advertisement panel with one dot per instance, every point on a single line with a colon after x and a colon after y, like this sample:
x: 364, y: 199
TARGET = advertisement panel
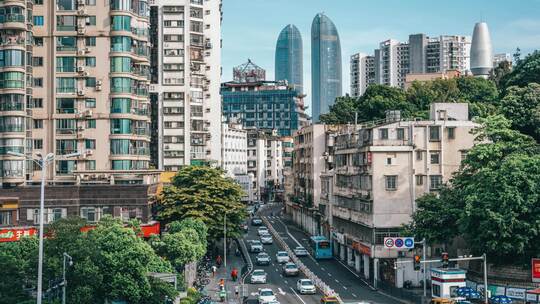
x: 535, y: 269
x: 15, y: 234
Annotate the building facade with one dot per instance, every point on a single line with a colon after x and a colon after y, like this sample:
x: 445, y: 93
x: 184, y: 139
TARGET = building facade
x: 362, y: 73
x: 378, y: 173
x: 264, y: 105
x: 326, y: 77
x: 186, y: 73
x: 289, y: 64
x: 234, y: 156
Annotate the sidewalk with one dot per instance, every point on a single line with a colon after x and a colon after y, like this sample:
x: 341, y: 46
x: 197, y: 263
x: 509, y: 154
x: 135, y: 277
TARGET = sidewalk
x: 223, y: 272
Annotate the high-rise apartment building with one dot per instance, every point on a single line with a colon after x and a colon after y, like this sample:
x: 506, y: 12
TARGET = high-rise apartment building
x: 289, y: 63
x: 186, y: 71
x: 394, y: 60
x: 501, y: 57
x: 362, y: 73
x: 326, y: 78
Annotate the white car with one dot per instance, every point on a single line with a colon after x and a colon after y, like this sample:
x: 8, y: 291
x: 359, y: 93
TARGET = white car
x: 266, y: 239
x: 262, y: 230
x: 256, y: 246
x: 305, y: 286
x: 290, y: 269
x: 300, y: 251
x: 266, y: 296
x: 282, y: 257
x: 262, y: 259
x: 258, y: 276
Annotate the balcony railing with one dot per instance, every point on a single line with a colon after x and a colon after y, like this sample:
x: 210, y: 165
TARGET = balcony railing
x: 11, y: 18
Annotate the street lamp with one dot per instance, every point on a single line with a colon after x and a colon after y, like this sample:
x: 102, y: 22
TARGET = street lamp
x: 43, y: 162
x: 67, y: 259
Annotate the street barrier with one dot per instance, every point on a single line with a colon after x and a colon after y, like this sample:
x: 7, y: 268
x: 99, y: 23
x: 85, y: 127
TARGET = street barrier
x: 325, y: 289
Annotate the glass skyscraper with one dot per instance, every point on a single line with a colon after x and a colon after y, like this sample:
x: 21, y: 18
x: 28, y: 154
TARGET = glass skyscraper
x: 326, y: 75
x: 289, y: 64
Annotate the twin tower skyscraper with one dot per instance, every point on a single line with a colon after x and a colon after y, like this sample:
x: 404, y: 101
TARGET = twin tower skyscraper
x: 326, y: 69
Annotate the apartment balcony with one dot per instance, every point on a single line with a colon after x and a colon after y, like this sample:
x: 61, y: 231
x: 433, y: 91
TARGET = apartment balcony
x: 13, y: 21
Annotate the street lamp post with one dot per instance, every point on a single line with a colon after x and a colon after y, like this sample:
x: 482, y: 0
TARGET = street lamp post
x: 43, y: 162
x: 67, y: 259
x: 225, y: 240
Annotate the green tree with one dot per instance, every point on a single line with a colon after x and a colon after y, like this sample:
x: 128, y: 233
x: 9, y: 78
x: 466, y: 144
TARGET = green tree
x: 204, y: 193
x: 525, y: 71
x: 522, y: 106
x: 341, y: 112
x: 500, y: 71
x: 18, y: 267
x: 378, y: 99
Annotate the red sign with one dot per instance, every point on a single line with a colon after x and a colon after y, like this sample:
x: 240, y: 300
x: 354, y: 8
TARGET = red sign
x: 361, y: 248
x: 147, y: 229
x: 12, y: 235
x: 535, y: 269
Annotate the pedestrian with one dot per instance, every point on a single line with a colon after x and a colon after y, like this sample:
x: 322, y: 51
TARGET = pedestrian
x: 218, y: 260
x: 214, y: 270
x: 221, y: 283
x: 234, y: 274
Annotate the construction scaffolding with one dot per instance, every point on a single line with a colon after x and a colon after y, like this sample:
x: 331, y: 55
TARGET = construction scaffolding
x: 249, y: 72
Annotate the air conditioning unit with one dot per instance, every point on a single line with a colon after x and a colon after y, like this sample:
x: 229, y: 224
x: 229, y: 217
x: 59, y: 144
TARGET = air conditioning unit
x: 81, y: 31
x: 81, y: 2
x: 80, y: 69
x: 80, y: 93
x: 89, y: 152
x: 88, y: 113
x: 87, y: 50
x: 80, y: 115
x: 98, y: 87
x: 81, y: 12
x: 99, y: 82
x: 81, y: 52
x: 80, y: 128
x: 86, y: 74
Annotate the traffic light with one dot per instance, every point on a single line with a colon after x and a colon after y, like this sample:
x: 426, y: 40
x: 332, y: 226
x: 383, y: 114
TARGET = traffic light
x: 417, y: 262
x: 444, y: 259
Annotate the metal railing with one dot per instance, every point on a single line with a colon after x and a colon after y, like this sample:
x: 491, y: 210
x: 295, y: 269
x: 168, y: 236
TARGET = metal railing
x: 322, y: 286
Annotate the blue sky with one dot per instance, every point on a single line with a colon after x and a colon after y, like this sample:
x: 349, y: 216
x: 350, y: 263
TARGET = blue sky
x: 250, y: 27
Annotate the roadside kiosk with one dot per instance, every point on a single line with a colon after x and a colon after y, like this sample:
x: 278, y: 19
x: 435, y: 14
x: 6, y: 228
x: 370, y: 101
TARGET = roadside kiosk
x: 444, y: 281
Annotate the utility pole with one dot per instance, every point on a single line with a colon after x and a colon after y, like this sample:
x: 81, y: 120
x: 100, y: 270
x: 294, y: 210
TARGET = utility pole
x: 225, y: 240
x: 67, y: 259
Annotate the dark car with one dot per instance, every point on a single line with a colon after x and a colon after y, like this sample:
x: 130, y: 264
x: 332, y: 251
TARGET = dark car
x: 256, y: 221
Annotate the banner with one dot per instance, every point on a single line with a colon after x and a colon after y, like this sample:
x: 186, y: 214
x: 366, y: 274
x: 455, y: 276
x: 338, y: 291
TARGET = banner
x: 15, y: 234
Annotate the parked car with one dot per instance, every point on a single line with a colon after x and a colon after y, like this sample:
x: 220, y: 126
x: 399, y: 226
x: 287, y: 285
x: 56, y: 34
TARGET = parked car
x: 282, y: 257
x: 266, y: 296
x: 256, y: 221
x: 262, y: 259
x: 266, y: 239
x: 262, y: 230
x: 258, y: 276
x: 255, y: 246
x: 300, y: 251
x: 290, y: 269
x: 306, y: 286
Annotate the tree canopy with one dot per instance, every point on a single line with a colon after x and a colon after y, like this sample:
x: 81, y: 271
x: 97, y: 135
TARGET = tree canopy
x: 493, y: 200
x: 205, y: 193
x: 525, y: 72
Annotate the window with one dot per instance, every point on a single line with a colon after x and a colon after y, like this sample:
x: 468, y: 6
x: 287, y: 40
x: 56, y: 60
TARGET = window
x: 66, y: 43
x: 11, y: 58
x: 66, y: 64
x: 90, y: 61
x: 38, y: 82
x: 173, y: 38
x: 400, y: 133
x: 37, y: 61
x: 435, y: 158
x: 91, y: 82
x: 91, y: 2
x: 121, y: 23
x: 463, y: 154
x: 38, y: 41
x: 66, y: 85
x: 390, y: 182
x: 90, y: 123
x: 38, y: 123
x: 451, y: 132
x: 90, y: 41
x: 38, y: 143
x: 90, y: 214
x: 6, y: 218
x: 173, y: 52
x: 66, y: 5
x: 66, y: 23
x: 90, y: 102
x: 419, y: 155
x: 38, y: 20
x: 436, y: 290
x: 435, y: 182
x: 66, y: 105
x: 383, y: 133
x: 90, y: 144
x: 90, y: 165
x: 419, y: 180
x: 91, y: 20
x: 434, y: 133
x: 65, y: 167
x: 38, y: 2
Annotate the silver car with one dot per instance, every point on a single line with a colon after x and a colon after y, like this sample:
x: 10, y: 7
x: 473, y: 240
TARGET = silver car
x: 305, y: 286
x: 262, y: 230
x: 282, y: 257
x: 258, y: 276
x: 256, y: 246
x: 300, y: 251
x: 290, y: 269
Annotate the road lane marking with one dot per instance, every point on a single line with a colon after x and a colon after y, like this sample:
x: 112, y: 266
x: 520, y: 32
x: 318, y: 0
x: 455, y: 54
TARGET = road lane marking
x: 364, y: 281
x: 322, y: 268
x: 281, y: 291
x: 299, y: 298
x: 329, y: 274
x: 344, y: 287
x: 336, y: 281
x: 286, y: 282
x: 354, y: 295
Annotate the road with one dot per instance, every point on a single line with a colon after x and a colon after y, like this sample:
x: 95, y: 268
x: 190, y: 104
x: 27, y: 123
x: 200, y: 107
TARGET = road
x: 345, y: 282
x: 283, y: 287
